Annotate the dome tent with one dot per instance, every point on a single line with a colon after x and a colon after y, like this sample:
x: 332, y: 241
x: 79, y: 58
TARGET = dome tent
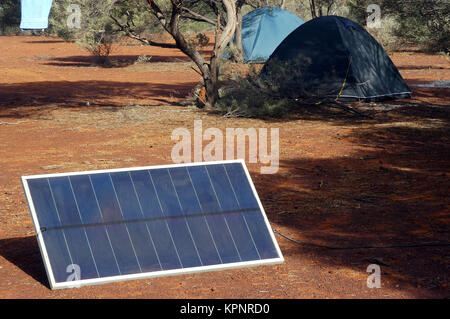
x: 264, y: 29
x: 334, y: 57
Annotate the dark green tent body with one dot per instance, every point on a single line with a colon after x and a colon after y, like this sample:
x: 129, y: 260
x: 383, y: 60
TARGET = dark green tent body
x: 334, y: 57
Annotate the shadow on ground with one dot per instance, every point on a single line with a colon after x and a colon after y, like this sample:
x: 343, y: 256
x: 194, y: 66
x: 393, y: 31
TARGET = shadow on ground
x: 24, y: 253
x: 46, y: 41
x: 395, y: 191
x: 116, y: 60
x: 426, y: 103
x: 392, y: 191
x: 26, y: 99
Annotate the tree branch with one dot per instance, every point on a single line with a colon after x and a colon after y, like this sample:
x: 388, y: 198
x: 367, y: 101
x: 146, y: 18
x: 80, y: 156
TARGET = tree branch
x: 130, y: 33
x: 158, y: 13
x: 230, y: 28
x: 198, y: 17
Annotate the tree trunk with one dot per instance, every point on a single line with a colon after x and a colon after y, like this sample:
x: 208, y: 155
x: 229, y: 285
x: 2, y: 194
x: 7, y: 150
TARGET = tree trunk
x: 209, y: 71
x: 212, y: 92
x: 239, y: 55
x: 212, y: 83
x: 312, y: 5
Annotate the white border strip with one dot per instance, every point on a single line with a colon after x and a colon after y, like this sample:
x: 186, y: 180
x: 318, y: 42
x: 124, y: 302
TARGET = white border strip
x: 131, y: 169
x: 40, y: 240
x: 103, y: 280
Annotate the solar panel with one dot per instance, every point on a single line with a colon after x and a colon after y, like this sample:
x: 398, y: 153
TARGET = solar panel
x: 103, y: 226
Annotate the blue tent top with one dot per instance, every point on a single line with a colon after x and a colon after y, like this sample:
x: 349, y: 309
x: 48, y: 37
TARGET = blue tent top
x: 264, y: 29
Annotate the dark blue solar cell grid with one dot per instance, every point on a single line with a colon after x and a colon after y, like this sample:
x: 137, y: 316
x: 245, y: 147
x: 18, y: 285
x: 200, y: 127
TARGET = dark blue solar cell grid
x: 120, y: 223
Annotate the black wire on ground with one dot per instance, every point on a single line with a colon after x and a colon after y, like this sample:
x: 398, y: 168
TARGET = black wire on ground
x: 434, y: 244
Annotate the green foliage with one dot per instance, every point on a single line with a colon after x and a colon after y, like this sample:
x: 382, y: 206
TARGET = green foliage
x: 9, y: 17
x: 136, y: 14
x: 427, y: 24
x: 96, y: 33
x: 276, y: 91
x: 386, y: 35
x: 269, y: 94
x: 57, y: 21
x: 249, y: 101
x: 420, y: 22
x: 97, y: 30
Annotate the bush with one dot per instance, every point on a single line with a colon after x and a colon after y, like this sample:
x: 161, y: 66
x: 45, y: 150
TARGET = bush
x: 271, y: 94
x: 386, y: 35
x: 96, y: 33
x: 248, y: 100
x: 425, y: 23
x: 57, y: 21
x: 431, y: 32
x: 9, y: 17
x: 99, y: 46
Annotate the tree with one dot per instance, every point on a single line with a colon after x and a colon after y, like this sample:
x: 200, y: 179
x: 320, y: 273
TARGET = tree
x: 237, y: 41
x: 223, y: 35
x: 320, y: 8
x: 103, y: 21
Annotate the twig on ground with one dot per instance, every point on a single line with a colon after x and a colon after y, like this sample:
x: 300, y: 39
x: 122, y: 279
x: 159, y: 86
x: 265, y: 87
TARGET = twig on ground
x: 13, y: 123
x: 348, y: 109
x: 234, y: 113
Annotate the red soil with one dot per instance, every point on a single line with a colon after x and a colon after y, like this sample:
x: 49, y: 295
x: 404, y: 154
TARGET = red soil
x: 342, y: 180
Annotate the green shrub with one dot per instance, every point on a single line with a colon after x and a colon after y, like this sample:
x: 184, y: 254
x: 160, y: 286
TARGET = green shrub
x: 386, y: 35
x: 57, y: 21
x: 9, y: 17
x: 249, y: 101
x: 272, y: 94
x: 425, y: 23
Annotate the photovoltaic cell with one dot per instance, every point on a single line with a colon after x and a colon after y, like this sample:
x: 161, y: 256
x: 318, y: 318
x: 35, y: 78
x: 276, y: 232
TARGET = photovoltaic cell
x: 103, y: 226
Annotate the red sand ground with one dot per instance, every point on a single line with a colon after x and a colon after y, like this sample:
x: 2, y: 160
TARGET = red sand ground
x: 342, y: 180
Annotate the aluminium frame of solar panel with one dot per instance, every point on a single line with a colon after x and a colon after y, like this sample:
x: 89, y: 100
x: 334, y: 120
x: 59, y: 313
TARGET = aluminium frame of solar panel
x: 152, y: 274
